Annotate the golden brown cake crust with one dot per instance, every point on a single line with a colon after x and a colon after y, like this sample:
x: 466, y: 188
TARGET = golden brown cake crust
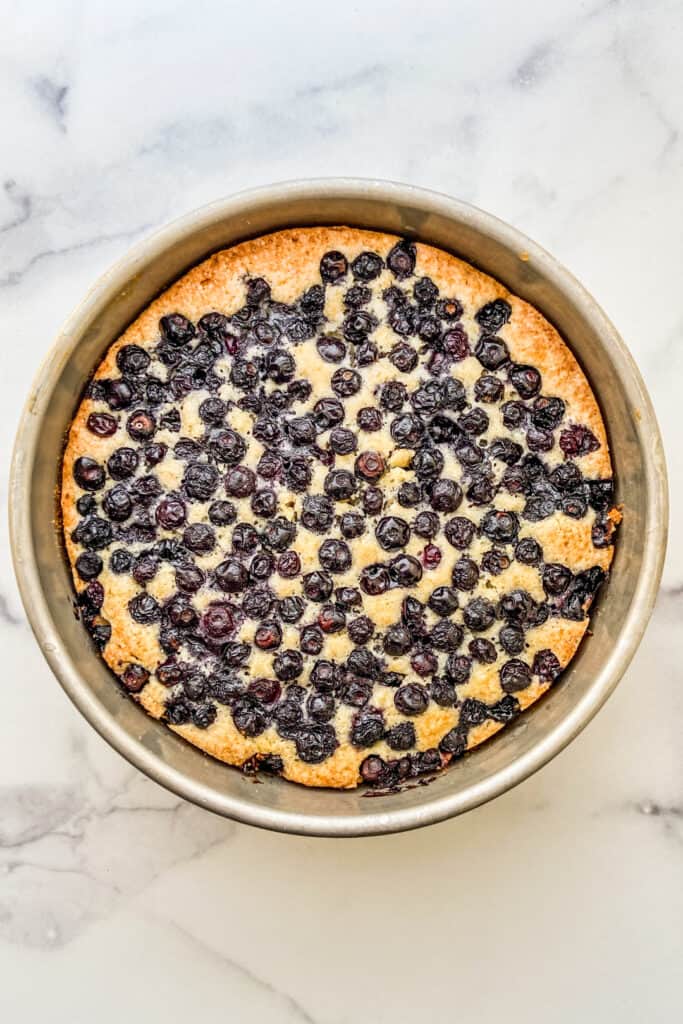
x: 289, y: 261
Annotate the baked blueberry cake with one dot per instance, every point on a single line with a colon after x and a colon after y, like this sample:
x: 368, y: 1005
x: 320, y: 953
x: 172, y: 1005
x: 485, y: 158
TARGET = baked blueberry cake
x: 337, y: 505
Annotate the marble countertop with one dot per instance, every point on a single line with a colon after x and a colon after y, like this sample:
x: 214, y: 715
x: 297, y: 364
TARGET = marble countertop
x: 560, y: 900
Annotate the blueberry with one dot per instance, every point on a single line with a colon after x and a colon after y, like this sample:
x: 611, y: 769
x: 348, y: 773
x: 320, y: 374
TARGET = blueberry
x: 367, y: 266
x: 506, y: 450
x: 134, y: 677
x: 404, y: 357
x: 474, y: 422
x: 405, y: 570
x: 261, y: 567
x: 407, y: 430
x: 352, y: 524
x: 488, y: 389
x: 226, y: 446
x: 268, y: 636
x: 512, y: 639
x: 357, y: 295
x: 144, y: 609
x: 312, y: 640
x: 176, y: 329
x: 446, y: 636
x: 334, y: 555
x: 333, y: 267
x: 393, y: 395
x: 479, y: 614
x: 392, y: 533
x: 240, y: 482
x: 340, y: 484
x: 495, y: 561
x: 231, y: 576
x: 547, y: 413
x: 361, y: 629
x: 331, y: 619
x: 348, y: 597
x: 122, y: 463
x: 86, y: 505
x: 317, y: 586
x: 93, y: 533
x: 320, y: 707
x: 141, y: 425
x: 515, y: 675
x: 200, y: 538
x: 212, y: 410
x: 427, y: 463
x: 222, y: 513
x: 424, y: 662
x: 556, y: 578
x: 345, y: 382
x: 244, y: 538
x: 446, y: 495
x: 442, y: 692
x: 426, y: 525
x: 375, y: 579
x: 264, y: 503
x: 88, y: 473
x: 369, y: 465
x: 411, y: 699
x: 328, y: 412
x: 494, y: 315
x: 178, y: 711
x: 546, y: 666
x: 289, y: 564
x: 132, y: 359
x: 343, y: 441
x: 331, y: 348
x: 465, y: 574
x: 429, y: 329
x: 409, y: 494
x: 315, y: 743
x: 101, y: 424
x: 366, y: 353
x: 298, y: 473
x: 401, y: 259
x: 369, y: 419
x: 280, y: 365
x: 290, y: 609
x: 443, y: 601
x: 244, y: 373
x: 458, y: 668
x: 526, y: 380
x: 500, y: 526
x: 492, y: 352
x: 457, y: 345
x: 372, y: 501
x: 460, y: 532
x: 119, y: 393
x: 357, y: 325
x: 449, y: 309
x: 88, y: 565
x: 397, y: 641
x: 367, y: 728
x: 278, y: 534
x: 145, y: 568
x: 171, y: 512
x: 577, y: 440
x: 189, y: 578
x: 539, y: 440
x: 301, y: 430
x: 120, y: 561
x: 601, y: 494
x: 528, y: 551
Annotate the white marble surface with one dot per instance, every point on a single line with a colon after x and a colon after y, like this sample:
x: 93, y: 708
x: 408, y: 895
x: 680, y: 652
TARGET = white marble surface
x: 561, y: 900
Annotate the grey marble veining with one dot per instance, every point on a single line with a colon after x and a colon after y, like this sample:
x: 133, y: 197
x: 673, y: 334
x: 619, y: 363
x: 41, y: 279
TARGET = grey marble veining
x: 563, y: 899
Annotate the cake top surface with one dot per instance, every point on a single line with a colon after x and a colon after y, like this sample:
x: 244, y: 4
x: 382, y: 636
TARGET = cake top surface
x: 337, y: 505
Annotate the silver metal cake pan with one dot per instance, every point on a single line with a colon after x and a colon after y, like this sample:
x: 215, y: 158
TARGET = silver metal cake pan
x: 620, y: 616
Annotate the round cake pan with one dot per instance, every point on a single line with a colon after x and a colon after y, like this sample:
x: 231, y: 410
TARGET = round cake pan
x: 620, y: 615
